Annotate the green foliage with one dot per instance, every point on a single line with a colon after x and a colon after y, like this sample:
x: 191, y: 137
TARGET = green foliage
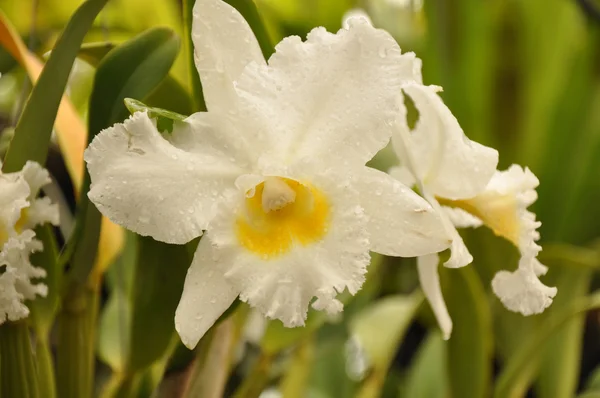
x: 132, y: 70
x: 428, y: 377
x: 160, y: 272
x: 378, y: 330
x: 470, y: 347
x: 18, y: 376
x: 521, y: 76
x: 32, y: 134
x: 517, y: 374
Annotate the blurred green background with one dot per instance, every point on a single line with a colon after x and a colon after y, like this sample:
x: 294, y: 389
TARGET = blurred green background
x: 522, y: 76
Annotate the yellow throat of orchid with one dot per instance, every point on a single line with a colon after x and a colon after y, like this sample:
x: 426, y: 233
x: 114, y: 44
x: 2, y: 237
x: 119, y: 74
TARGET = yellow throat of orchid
x: 279, y: 214
x: 19, y: 226
x: 498, y: 212
x: 3, y: 235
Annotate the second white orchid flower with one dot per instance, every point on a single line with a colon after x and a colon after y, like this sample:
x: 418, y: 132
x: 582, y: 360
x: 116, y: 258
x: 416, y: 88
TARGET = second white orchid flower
x: 274, y: 171
x: 459, y: 178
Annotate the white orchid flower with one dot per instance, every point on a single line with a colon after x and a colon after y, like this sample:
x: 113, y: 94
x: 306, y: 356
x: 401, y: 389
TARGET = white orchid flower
x: 274, y: 171
x: 20, y: 211
x: 460, y: 180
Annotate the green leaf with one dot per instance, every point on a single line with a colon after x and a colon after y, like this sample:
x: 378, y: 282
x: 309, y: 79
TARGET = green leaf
x: 211, y: 368
x: 516, y: 376
x: 568, y: 164
x: 115, y: 320
x: 547, y: 67
x: 33, y: 131
x: 470, y: 346
x: 458, y: 56
x: 277, y: 337
x: 592, y: 388
x: 560, y: 358
x: 169, y: 94
x: 329, y: 377
x: 427, y: 375
x: 300, y: 16
x: 132, y: 69
x: 295, y: 381
x: 18, y: 376
x: 379, y: 329
x: 164, y: 118
x: 93, y: 53
x: 157, y: 286
x: 593, y: 381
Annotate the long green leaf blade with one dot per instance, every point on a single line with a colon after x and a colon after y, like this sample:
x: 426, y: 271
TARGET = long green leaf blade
x: 516, y: 375
x: 470, y: 347
x: 33, y: 131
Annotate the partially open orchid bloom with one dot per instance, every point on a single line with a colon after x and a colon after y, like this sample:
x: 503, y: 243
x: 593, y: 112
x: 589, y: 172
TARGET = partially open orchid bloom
x: 274, y: 171
x: 459, y: 178
x: 20, y: 211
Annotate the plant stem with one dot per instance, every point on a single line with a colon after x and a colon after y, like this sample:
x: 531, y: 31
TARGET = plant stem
x: 213, y: 363
x: 129, y: 386
x: 45, y: 367
x: 257, y: 379
x: 76, y: 343
x: 18, y: 376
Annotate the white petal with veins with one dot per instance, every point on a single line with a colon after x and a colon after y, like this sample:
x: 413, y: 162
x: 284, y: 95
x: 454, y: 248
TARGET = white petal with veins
x: 401, y: 223
x: 449, y: 164
x: 223, y: 45
x: 143, y: 182
x: 521, y: 290
x: 206, y: 294
x: 345, y: 88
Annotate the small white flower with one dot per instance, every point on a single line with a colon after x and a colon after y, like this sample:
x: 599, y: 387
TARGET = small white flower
x: 459, y: 178
x: 274, y: 171
x: 20, y: 211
